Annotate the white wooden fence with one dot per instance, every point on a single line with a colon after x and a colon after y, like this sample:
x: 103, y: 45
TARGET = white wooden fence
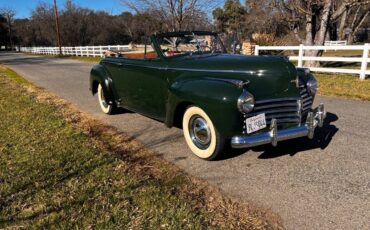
x: 363, y: 59
x: 88, y: 51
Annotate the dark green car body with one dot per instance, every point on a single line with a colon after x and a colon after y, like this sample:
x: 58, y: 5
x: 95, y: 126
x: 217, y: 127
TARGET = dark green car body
x: 162, y: 88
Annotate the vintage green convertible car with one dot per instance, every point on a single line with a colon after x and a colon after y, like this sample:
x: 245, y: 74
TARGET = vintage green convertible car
x: 187, y: 80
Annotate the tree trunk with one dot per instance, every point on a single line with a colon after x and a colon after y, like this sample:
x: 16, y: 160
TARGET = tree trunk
x: 319, y: 37
x: 310, y: 31
x: 350, y: 38
x: 342, y: 25
x: 355, y: 26
x: 352, y: 25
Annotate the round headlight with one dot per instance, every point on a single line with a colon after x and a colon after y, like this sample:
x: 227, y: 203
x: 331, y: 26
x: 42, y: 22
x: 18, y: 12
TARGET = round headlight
x: 312, y: 85
x: 246, y: 102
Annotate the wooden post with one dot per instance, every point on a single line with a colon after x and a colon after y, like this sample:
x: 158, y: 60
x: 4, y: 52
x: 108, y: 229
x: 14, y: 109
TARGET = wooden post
x: 256, y: 51
x: 300, y: 56
x: 57, y: 26
x: 365, y: 56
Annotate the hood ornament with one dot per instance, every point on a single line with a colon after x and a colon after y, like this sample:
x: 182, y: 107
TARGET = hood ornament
x: 243, y: 84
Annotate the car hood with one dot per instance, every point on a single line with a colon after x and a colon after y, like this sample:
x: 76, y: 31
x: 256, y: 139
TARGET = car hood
x: 268, y: 76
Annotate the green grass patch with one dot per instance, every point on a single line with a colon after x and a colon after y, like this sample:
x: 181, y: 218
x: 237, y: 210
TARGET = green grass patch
x: 51, y: 175
x: 343, y: 53
x: 81, y: 58
x: 343, y: 85
x: 54, y: 174
x: 13, y: 75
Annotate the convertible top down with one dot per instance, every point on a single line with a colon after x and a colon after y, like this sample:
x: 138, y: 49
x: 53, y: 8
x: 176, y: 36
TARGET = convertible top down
x: 187, y: 80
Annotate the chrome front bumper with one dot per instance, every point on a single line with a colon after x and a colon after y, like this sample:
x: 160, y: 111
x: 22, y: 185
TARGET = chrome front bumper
x: 314, y: 119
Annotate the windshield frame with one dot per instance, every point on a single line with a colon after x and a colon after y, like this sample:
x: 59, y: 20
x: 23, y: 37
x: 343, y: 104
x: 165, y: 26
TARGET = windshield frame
x: 156, y: 37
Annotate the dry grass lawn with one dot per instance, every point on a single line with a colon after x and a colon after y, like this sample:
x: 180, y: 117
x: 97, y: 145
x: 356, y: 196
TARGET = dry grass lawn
x: 60, y: 168
x: 348, y: 86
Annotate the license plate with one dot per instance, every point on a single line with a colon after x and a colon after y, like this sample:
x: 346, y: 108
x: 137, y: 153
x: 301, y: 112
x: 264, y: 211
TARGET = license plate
x: 256, y: 123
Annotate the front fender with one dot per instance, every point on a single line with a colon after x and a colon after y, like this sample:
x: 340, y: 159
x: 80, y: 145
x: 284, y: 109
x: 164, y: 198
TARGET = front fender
x: 303, y: 75
x: 99, y: 75
x: 218, y: 99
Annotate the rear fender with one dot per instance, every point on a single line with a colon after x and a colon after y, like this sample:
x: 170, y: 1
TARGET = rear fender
x: 99, y: 75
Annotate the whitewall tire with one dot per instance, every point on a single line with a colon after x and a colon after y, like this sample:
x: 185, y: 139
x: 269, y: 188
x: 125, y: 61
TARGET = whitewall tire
x: 105, y: 107
x: 201, y: 135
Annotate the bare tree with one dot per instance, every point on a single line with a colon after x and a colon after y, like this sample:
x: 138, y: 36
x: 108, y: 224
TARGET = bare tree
x: 177, y: 14
x: 42, y: 24
x: 9, y: 13
x: 315, y: 16
x: 358, y: 19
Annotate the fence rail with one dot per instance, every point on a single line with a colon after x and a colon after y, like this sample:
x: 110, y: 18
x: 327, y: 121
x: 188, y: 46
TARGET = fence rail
x: 363, y: 59
x: 88, y: 51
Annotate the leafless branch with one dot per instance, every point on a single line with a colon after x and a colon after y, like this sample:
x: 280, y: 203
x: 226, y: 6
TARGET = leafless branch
x: 348, y: 4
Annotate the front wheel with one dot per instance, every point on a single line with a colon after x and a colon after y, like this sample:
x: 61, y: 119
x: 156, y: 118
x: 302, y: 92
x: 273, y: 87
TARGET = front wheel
x: 105, y: 107
x: 200, y: 134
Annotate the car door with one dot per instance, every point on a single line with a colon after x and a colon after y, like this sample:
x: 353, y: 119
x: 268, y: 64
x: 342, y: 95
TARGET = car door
x: 142, y: 86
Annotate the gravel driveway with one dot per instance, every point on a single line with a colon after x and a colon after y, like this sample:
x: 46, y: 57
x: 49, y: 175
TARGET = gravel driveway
x: 312, y: 184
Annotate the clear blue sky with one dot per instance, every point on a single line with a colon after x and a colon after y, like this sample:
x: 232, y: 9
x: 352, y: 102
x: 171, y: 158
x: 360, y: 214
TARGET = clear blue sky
x: 24, y: 7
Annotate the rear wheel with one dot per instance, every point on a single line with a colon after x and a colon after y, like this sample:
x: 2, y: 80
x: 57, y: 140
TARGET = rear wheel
x: 201, y: 135
x: 105, y: 107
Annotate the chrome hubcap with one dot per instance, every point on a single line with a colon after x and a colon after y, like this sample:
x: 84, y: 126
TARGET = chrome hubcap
x: 199, y: 132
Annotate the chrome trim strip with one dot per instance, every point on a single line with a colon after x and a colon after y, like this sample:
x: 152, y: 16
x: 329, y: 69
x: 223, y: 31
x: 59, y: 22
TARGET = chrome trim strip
x: 274, y: 111
x: 238, y: 83
x: 278, y: 99
x: 307, y: 107
x: 296, y: 115
x: 273, y: 136
x: 307, y: 103
x: 286, y: 120
x: 214, y: 70
x: 271, y: 106
x: 305, y: 94
x: 307, y: 99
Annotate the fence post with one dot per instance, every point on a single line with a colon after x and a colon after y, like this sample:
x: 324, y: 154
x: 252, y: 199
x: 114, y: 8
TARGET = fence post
x: 256, y: 51
x: 101, y: 51
x: 365, y: 56
x: 300, y: 55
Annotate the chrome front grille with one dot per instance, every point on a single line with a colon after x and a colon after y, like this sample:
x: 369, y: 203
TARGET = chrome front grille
x: 285, y: 110
x: 307, y: 100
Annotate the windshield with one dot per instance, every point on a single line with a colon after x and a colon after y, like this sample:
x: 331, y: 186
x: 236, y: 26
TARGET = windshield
x: 189, y: 44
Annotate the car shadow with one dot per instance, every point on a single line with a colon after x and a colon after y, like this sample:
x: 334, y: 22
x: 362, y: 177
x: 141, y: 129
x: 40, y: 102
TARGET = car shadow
x: 120, y: 111
x: 321, y: 140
